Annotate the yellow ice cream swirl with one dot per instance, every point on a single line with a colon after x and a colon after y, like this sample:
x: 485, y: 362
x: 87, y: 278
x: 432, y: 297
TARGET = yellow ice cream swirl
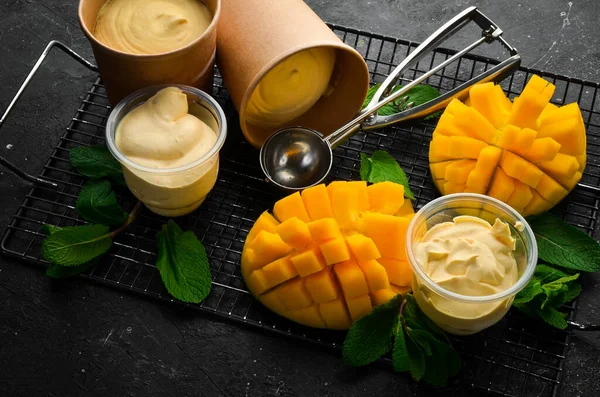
x: 151, y: 26
x: 292, y: 87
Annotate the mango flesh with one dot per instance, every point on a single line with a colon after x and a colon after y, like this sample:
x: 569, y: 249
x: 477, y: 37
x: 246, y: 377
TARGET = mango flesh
x: 529, y: 153
x: 331, y: 253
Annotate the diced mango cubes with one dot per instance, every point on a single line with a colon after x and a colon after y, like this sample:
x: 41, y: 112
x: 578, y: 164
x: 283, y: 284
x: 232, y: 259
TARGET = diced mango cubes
x: 529, y: 154
x: 331, y: 253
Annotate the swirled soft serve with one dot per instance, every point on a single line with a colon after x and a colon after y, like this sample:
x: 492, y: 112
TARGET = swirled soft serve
x: 160, y: 134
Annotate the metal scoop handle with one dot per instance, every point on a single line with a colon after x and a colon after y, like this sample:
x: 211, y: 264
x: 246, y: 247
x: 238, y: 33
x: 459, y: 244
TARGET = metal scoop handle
x: 490, y: 33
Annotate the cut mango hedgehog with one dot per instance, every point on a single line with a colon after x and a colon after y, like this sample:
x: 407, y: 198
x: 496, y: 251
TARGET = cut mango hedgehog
x: 528, y: 153
x: 330, y: 254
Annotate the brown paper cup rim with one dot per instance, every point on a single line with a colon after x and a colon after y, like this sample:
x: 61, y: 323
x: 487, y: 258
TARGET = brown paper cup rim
x: 281, y: 58
x: 91, y: 37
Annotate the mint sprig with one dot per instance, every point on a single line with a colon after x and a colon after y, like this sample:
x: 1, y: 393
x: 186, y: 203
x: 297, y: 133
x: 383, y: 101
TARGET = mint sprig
x: 58, y: 271
x: 418, y: 346
x: 72, y: 246
x: 183, y: 264
x: 181, y: 258
x: 97, y: 203
x: 382, y: 167
x: 96, y: 162
x: 563, y: 245
x: 547, y: 291
x: 371, y: 336
x: 416, y: 96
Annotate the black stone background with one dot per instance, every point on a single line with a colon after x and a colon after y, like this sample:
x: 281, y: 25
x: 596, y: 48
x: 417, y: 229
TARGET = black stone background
x: 73, y: 338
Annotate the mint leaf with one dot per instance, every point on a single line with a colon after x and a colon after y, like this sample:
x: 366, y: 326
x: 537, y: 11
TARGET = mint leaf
x: 97, y: 204
x: 423, y: 339
x: 382, y: 167
x: 416, y: 96
x: 554, y: 317
x: 58, y: 271
x: 387, y: 109
x: 561, y: 244
x: 436, y: 360
x: 419, y: 95
x: 414, y: 315
x: 370, y: 337
x: 547, y: 291
x: 531, y: 290
x: 400, y: 357
x: 76, y: 245
x: 96, y: 162
x: 183, y: 264
x: 48, y: 229
x: 370, y: 93
x: 417, y: 358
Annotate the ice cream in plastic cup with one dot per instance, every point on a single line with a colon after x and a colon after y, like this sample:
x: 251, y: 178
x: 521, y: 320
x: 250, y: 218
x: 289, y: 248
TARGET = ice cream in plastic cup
x: 485, y: 310
x: 171, y: 191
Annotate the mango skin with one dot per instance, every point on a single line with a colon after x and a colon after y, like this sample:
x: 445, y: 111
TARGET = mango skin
x: 330, y: 253
x: 528, y: 153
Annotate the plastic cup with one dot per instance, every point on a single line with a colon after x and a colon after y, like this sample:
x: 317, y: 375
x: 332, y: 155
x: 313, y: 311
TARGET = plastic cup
x: 463, y: 314
x: 155, y: 187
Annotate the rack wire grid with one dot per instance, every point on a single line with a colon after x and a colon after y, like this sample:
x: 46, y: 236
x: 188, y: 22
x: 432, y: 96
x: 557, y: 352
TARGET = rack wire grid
x: 513, y: 358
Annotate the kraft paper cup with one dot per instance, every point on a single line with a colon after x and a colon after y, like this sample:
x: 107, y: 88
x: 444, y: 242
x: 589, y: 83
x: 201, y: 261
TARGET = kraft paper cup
x: 256, y: 35
x: 123, y: 73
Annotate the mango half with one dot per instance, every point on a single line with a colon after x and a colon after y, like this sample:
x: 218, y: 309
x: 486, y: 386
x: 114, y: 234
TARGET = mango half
x: 528, y: 153
x: 328, y: 255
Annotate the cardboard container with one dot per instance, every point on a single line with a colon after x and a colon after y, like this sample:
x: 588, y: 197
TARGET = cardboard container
x: 256, y: 35
x: 123, y: 73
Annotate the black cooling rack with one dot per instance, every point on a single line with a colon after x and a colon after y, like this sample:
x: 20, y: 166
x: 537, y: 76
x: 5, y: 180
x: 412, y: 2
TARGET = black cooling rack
x: 516, y: 357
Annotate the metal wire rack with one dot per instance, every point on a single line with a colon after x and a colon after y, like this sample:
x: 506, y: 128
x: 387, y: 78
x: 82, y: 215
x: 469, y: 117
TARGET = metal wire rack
x: 514, y: 358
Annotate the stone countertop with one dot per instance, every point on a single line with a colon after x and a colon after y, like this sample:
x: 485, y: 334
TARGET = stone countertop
x: 72, y: 338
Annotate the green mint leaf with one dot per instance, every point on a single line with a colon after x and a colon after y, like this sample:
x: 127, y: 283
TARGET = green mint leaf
x: 382, y: 167
x: 418, y: 320
x: 387, y: 109
x: 572, y: 293
x: 365, y: 167
x: 48, y: 229
x: 437, y: 369
x: 531, y: 290
x: 434, y: 115
x: 441, y: 361
x: 370, y: 93
x: 370, y: 337
x: 96, y: 162
x: 400, y: 357
x: 563, y: 245
x: 553, y: 288
x: 183, y: 264
x: 76, y: 245
x: 423, y: 339
x: 97, y: 204
x: 554, y: 317
x: 417, y: 358
x: 418, y: 95
x: 58, y: 271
